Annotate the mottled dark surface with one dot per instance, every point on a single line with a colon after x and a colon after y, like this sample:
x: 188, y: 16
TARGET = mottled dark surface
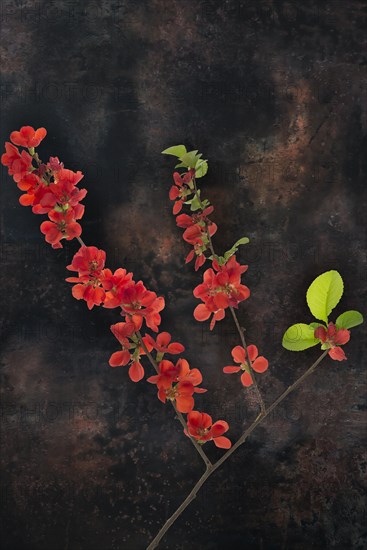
x: 273, y: 93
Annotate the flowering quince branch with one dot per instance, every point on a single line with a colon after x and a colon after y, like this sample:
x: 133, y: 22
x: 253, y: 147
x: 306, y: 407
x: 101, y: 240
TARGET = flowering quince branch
x: 51, y: 189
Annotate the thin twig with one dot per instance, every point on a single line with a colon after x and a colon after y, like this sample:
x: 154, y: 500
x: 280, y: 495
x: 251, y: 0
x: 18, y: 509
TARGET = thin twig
x: 211, y: 469
x: 244, y: 345
x: 240, y: 331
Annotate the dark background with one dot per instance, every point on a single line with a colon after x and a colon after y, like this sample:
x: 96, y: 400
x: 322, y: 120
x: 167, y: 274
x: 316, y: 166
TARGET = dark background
x: 273, y: 93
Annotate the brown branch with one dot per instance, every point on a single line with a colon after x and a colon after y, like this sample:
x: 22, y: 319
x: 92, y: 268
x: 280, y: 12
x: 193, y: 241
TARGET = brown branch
x: 211, y: 469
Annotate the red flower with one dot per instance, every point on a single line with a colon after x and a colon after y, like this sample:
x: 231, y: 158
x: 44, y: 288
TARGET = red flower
x: 140, y: 302
x: 19, y: 164
x: 259, y: 364
x: 180, y: 190
x: 201, y: 427
x: 220, y: 290
x: 89, y: 260
x: 331, y: 339
x: 177, y: 383
x: 114, y: 285
x: 162, y: 344
x: 131, y: 350
x: 63, y: 192
x: 28, y: 136
x: 61, y: 226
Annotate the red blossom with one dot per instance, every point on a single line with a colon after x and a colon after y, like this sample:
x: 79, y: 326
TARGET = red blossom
x: 61, y: 226
x: 28, y: 136
x: 180, y: 190
x: 114, y: 285
x: 89, y: 263
x: 137, y: 301
x: 177, y: 383
x: 331, y: 338
x: 258, y: 363
x: 163, y: 344
x: 201, y: 427
x: 19, y: 164
x: 221, y: 288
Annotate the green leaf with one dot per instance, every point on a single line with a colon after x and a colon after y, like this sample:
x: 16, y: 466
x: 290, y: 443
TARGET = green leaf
x: 349, y: 319
x: 243, y: 240
x: 195, y: 204
x: 190, y: 159
x: 201, y: 168
x: 176, y: 151
x: 299, y: 337
x: 324, y: 294
x: 233, y: 250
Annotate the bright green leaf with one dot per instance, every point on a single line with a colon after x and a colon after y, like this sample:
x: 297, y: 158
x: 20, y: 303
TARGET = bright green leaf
x: 195, y: 204
x: 349, y: 319
x: 324, y: 294
x: 201, y: 168
x: 299, y: 337
x: 190, y: 159
x: 176, y: 151
x: 243, y: 240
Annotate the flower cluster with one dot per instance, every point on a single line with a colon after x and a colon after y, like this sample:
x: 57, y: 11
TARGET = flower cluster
x: 48, y: 188
x: 332, y: 338
x: 51, y: 189
x: 258, y: 364
x: 220, y: 289
x: 198, y: 226
x: 177, y: 383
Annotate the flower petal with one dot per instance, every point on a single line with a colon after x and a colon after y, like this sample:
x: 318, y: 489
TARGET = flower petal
x: 239, y: 354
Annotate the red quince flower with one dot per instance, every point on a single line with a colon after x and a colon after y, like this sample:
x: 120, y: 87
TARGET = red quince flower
x: 63, y: 192
x: 89, y: 260
x: 259, y: 364
x: 140, y: 302
x: 19, y: 164
x: 28, y: 136
x: 114, y: 285
x: 200, y: 426
x: 89, y: 263
x: 181, y: 189
x: 162, y: 344
x: 331, y: 339
x: 61, y: 226
x: 220, y: 290
x: 54, y: 164
x: 177, y: 383
x: 131, y: 350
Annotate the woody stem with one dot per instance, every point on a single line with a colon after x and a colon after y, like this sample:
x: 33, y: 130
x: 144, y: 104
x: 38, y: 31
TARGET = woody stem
x: 211, y: 469
x: 198, y: 447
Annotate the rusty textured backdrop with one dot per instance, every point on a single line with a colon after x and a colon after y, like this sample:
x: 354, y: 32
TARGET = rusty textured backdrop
x: 273, y: 93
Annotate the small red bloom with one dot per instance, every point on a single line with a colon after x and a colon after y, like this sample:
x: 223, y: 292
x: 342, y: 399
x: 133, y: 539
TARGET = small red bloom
x: 114, y: 285
x: 201, y: 427
x: 177, y: 383
x: 19, y: 164
x: 89, y: 260
x: 28, y: 136
x: 61, y: 226
x: 259, y: 364
x: 131, y: 350
x: 162, y: 344
x: 140, y: 302
x: 89, y: 263
x: 331, y: 338
x: 181, y: 189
